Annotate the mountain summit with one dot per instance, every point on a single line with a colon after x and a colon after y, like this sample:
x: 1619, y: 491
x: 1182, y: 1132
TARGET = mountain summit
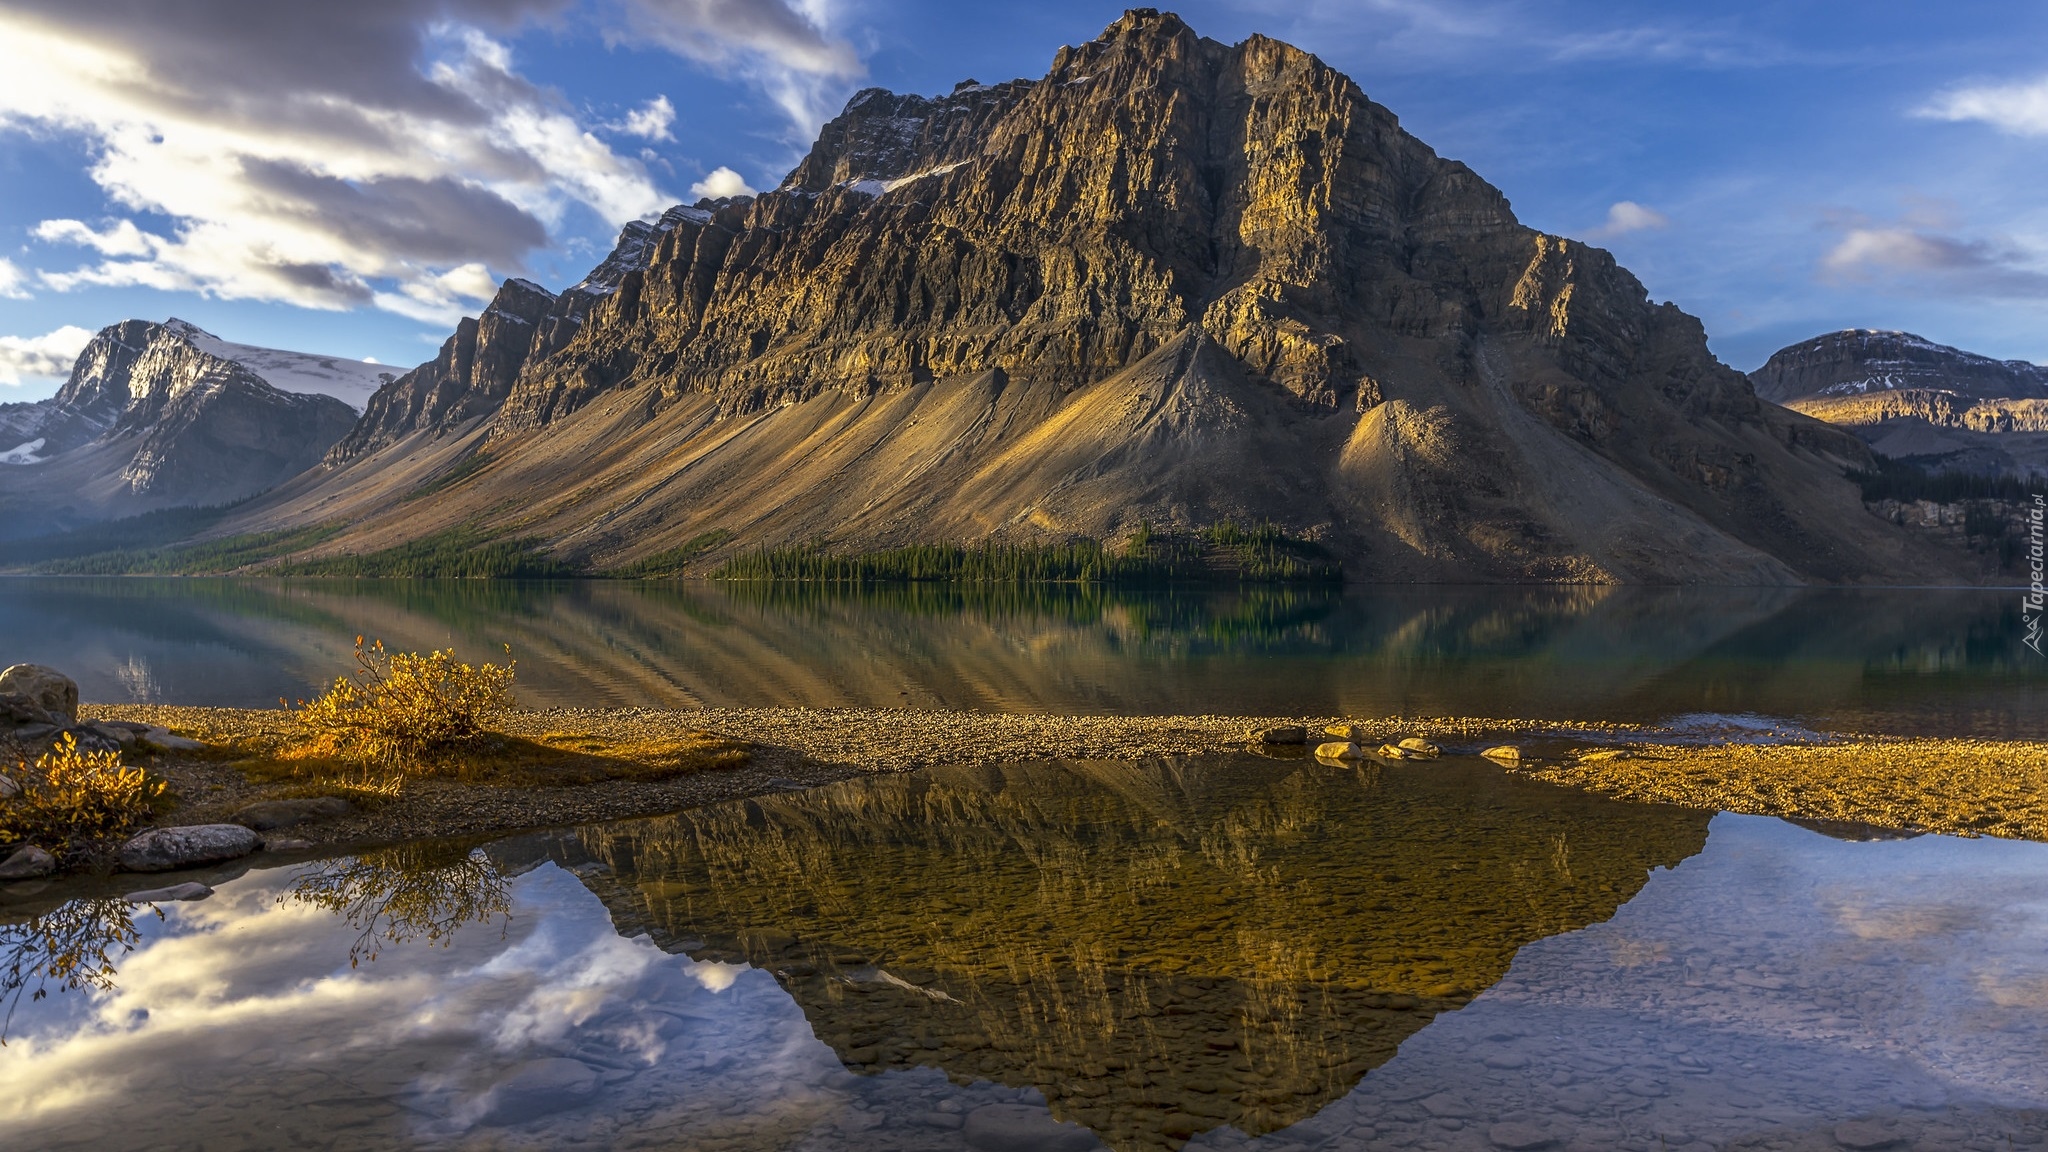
x: 1170, y: 283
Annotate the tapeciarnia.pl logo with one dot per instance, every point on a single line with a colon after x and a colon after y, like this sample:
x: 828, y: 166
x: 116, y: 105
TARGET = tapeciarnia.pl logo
x: 2037, y: 596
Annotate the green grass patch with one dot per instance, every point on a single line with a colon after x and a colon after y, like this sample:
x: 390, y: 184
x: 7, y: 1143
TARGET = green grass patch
x: 671, y: 562
x: 457, y: 554
x: 201, y: 558
x: 1222, y: 553
x: 450, y: 478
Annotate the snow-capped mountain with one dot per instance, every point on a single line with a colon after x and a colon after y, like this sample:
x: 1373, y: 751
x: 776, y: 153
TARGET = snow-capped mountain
x: 352, y: 382
x: 152, y: 418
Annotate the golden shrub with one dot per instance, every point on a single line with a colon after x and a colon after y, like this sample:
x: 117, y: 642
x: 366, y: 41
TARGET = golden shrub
x: 401, y: 711
x: 72, y: 802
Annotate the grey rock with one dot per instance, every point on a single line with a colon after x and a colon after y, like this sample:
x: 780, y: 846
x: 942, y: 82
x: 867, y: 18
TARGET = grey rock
x: 286, y: 844
x: 1864, y: 1134
x: 1021, y: 1128
x: 190, y: 890
x: 1519, y: 1137
x: 162, y: 849
x: 49, y: 689
x: 1284, y: 734
x: 164, y: 740
x: 267, y: 815
x: 27, y: 863
x: 539, y: 1088
x: 18, y: 711
x: 121, y: 736
x: 948, y: 1120
x: 8, y: 788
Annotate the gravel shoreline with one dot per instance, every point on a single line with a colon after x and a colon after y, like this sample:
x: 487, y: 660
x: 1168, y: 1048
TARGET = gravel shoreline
x: 1956, y: 786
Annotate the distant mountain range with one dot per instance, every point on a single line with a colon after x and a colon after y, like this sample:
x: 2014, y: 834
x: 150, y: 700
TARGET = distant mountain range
x: 167, y: 415
x: 1912, y: 399
x: 1174, y: 283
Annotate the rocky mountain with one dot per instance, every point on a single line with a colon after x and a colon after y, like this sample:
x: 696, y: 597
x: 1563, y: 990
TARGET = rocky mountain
x: 1172, y: 282
x: 1910, y: 398
x: 149, y: 418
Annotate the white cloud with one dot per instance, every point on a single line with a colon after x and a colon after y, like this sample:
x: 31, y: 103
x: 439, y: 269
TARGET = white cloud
x: 1627, y: 216
x: 722, y: 182
x: 11, y: 281
x: 365, y: 180
x: 441, y: 299
x: 2021, y: 109
x: 652, y: 121
x: 45, y: 357
x: 1916, y: 257
x: 786, y: 50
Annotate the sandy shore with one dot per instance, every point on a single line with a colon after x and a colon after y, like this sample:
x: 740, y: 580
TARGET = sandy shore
x: 1956, y: 786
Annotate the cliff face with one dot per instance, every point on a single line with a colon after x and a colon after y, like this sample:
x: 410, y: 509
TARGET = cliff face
x: 1912, y: 399
x: 1172, y: 281
x: 149, y: 420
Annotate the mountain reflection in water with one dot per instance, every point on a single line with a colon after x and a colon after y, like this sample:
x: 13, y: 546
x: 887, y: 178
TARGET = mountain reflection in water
x: 1908, y: 661
x: 958, y: 960
x: 1157, y: 948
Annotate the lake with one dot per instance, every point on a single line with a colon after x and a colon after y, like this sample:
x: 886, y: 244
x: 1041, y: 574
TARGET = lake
x: 1911, y: 661
x: 1216, y: 953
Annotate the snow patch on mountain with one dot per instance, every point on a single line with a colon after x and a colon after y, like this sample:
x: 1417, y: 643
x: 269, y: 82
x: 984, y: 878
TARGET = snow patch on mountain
x: 350, y: 381
x: 24, y: 453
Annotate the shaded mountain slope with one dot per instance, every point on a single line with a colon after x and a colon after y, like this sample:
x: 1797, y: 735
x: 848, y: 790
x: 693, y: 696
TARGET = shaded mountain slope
x: 1172, y: 282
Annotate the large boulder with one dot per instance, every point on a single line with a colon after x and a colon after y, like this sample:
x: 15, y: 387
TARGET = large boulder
x: 46, y: 688
x: 163, y: 849
x: 27, y: 864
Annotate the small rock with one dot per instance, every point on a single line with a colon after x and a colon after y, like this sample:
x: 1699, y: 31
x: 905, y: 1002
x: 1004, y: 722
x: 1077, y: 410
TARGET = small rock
x: 190, y: 890
x: 539, y: 1088
x: 1443, y: 1105
x: 1352, y: 732
x: 27, y: 864
x: 121, y: 737
x: 49, y: 689
x: 286, y: 844
x: 1284, y: 734
x: 947, y: 1120
x: 1864, y: 1134
x: 1419, y: 748
x: 1518, y: 1137
x: 162, y: 849
x: 1020, y: 1128
x: 164, y: 740
x: 1392, y: 752
x: 8, y: 788
x: 1339, y: 750
x: 267, y: 815
x: 1507, y: 752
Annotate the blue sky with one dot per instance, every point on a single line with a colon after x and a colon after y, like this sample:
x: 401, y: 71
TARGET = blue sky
x: 349, y: 178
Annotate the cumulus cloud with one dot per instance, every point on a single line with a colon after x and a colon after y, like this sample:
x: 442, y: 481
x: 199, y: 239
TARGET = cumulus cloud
x: 45, y: 357
x: 650, y: 121
x: 12, y: 281
x: 784, y: 49
x: 2020, y: 108
x: 720, y: 183
x: 327, y: 156
x: 1627, y: 216
x: 1878, y: 253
